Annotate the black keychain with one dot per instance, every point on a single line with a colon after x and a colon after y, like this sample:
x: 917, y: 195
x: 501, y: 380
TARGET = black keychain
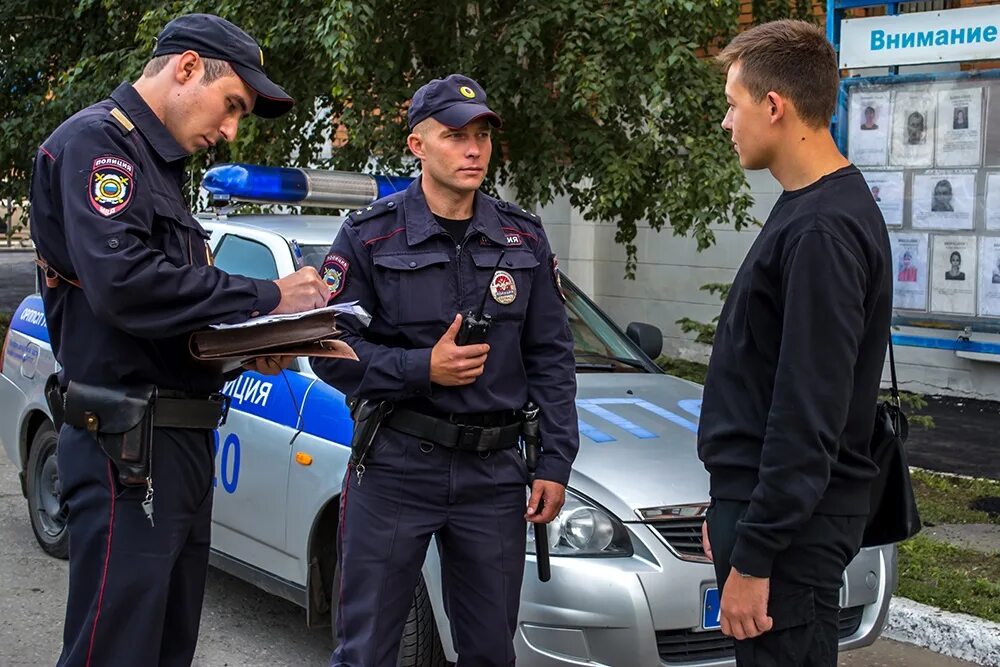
x: 475, y: 326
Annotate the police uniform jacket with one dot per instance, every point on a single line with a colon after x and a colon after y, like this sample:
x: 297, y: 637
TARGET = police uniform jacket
x: 108, y: 211
x: 397, y: 261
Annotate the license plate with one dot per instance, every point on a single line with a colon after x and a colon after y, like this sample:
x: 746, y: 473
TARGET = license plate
x: 712, y: 609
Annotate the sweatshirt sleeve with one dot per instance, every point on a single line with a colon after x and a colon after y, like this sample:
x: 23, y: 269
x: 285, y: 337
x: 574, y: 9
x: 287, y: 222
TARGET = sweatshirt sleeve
x: 823, y: 293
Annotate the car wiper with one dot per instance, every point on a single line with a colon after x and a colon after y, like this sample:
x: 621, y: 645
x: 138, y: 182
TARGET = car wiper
x: 635, y: 363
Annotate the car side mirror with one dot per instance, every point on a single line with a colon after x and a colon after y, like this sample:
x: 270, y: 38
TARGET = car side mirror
x: 647, y: 337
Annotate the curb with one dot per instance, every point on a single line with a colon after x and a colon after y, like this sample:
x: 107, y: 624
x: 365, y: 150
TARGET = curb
x: 956, y: 635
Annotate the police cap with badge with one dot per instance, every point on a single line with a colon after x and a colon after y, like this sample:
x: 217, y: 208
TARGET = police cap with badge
x: 454, y: 101
x: 213, y: 37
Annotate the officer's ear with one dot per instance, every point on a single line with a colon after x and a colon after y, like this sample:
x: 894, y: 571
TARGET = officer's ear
x: 186, y: 67
x: 415, y: 142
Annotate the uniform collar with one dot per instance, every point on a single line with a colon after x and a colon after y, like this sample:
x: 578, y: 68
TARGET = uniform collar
x: 145, y: 120
x: 421, y: 224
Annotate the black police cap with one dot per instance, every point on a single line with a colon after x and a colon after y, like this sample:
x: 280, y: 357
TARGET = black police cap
x: 213, y: 37
x: 454, y: 101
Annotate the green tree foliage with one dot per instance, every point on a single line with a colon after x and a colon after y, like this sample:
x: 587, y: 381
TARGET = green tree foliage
x: 612, y: 104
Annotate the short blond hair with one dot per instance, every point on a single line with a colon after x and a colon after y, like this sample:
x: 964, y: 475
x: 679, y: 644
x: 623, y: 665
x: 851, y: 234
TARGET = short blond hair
x: 792, y: 58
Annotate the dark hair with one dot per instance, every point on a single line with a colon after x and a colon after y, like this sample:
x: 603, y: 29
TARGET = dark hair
x: 214, y: 69
x: 791, y: 58
x: 954, y: 254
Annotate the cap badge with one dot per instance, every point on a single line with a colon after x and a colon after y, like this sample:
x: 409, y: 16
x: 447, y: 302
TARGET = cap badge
x: 261, y: 56
x: 467, y: 92
x: 503, y: 288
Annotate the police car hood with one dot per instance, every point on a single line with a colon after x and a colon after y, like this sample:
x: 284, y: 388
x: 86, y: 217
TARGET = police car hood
x: 638, y: 442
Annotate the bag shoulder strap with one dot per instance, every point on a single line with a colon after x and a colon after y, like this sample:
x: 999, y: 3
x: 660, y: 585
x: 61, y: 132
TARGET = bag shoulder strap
x: 892, y: 373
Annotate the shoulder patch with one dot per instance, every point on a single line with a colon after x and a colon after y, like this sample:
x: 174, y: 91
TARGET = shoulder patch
x: 111, y: 185
x: 334, y: 272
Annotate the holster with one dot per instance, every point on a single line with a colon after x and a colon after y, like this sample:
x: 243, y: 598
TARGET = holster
x: 120, y: 418
x: 368, y: 415
x: 55, y: 399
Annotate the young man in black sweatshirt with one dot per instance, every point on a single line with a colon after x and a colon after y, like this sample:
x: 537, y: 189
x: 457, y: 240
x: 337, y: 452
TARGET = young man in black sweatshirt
x: 789, y: 402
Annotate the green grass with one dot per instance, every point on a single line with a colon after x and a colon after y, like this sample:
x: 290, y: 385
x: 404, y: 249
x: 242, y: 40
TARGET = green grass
x: 4, y: 323
x: 946, y: 499
x: 941, y: 575
x: 950, y: 578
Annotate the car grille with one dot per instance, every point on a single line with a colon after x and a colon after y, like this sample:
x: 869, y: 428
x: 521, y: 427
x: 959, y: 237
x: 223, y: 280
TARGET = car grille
x: 683, y: 536
x: 688, y: 645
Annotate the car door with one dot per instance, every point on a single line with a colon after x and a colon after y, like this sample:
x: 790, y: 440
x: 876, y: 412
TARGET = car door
x: 253, y: 447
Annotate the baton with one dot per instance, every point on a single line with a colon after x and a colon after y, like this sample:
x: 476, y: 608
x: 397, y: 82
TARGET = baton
x: 531, y: 445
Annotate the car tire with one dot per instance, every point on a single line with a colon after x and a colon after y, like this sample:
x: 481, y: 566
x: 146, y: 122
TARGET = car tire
x: 48, y: 517
x: 420, y: 645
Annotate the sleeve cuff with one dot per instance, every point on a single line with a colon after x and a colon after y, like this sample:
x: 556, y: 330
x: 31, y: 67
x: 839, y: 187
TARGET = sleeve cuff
x: 552, y: 469
x: 751, y: 559
x: 268, y: 297
x: 417, y: 371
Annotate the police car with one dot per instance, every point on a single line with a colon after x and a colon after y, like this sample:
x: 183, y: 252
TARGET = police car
x: 630, y: 585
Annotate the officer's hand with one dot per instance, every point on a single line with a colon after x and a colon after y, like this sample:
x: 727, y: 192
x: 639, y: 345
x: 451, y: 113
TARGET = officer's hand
x: 269, y: 365
x: 301, y: 291
x: 551, y: 495
x: 455, y: 365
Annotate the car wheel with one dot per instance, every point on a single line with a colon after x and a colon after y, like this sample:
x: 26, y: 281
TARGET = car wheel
x: 48, y: 517
x: 420, y: 645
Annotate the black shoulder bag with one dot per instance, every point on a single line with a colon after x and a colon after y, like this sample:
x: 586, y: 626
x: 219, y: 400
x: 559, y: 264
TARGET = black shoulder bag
x: 893, y: 516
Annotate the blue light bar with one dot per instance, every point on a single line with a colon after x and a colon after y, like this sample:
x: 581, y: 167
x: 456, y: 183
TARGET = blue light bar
x: 302, y: 187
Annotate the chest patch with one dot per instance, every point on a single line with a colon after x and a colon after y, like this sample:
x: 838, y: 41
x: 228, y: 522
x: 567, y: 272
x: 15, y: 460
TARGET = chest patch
x: 111, y: 185
x: 503, y: 288
x: 334, y: 273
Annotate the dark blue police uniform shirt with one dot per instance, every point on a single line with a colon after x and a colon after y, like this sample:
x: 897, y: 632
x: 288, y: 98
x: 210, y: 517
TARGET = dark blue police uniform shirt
x: 107, y: 209
x: 399, y: 263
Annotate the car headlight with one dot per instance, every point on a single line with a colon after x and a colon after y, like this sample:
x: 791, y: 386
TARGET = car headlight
x: 583, y: 529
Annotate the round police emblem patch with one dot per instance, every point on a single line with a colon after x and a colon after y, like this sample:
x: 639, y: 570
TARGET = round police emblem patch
x: 111, y: 185
x: 503, y: 288
x: 335, y: 270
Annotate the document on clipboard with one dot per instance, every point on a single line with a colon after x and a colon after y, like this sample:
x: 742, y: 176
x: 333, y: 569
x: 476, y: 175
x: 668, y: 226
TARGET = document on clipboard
x: 313, y: 333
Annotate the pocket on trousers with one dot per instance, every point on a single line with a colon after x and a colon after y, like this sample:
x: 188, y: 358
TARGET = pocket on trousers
x: 790, y: 607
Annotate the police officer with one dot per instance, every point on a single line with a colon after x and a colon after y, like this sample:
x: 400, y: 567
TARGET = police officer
x: 444, y: 461
x: 127, y: 278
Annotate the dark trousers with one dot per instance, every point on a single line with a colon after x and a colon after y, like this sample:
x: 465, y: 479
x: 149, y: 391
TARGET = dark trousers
x: 410, y: 491
x: 804, y: 600
x: 135, y: 590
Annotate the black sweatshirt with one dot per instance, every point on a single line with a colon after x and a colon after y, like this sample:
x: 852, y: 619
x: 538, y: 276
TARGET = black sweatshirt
x: 789, y: 402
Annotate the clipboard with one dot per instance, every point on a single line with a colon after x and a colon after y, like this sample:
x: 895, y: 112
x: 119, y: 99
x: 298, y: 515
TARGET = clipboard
x: 313, y: 333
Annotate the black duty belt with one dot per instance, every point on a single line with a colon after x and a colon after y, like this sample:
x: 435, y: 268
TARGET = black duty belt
x: 174, y: 409
x: 454, y: 434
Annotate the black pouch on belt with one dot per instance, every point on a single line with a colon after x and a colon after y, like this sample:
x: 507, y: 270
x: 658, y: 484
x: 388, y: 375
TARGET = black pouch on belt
x: 120, y: 418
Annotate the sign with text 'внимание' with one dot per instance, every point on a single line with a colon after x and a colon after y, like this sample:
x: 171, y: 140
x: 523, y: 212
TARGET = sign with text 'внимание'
x: 921, y: 37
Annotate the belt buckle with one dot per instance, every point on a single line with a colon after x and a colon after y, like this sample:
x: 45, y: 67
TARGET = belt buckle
x: 469, y: 437
x: 226, y: 401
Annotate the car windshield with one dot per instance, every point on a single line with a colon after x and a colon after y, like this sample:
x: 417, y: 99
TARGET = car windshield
x: 597, y: 344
